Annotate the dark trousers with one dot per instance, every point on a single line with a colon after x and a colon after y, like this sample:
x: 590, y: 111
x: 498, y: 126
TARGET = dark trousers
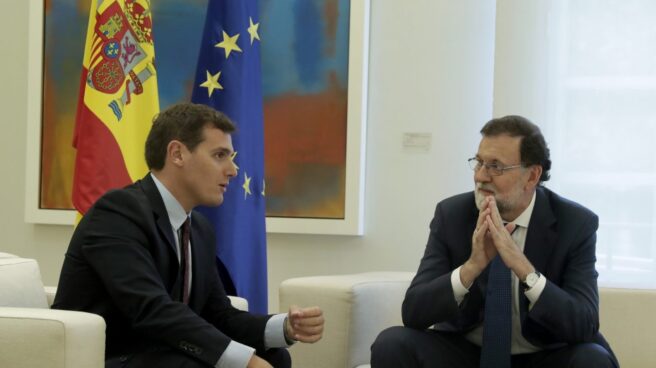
x: 402, y: 347
x: 170, y: 358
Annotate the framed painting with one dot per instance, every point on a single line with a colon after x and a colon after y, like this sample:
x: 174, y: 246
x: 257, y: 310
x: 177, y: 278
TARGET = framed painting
x: 314, y: 67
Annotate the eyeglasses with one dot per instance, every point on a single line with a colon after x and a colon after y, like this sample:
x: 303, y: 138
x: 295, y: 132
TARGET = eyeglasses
x: 494, y: 169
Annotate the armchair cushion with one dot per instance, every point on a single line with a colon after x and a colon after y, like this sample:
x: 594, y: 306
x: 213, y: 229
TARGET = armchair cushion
x: 20, y: 284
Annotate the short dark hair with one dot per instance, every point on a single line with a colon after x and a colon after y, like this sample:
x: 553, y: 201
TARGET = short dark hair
x: 533, y: 148
x: 183, y: 122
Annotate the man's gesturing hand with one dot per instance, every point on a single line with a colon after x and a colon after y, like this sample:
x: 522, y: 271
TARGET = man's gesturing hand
x: 304, y: 324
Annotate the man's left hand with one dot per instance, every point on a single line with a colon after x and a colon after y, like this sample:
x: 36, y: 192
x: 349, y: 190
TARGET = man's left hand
x: 304, y: 324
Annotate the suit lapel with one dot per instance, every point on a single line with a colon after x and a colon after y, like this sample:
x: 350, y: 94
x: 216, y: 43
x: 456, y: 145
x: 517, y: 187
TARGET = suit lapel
x: 541, y: 237
x: 161, y: 217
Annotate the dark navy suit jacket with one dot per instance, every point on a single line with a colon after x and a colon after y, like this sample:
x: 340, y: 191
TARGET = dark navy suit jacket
x: 560, y: 244
x: 122, y: 264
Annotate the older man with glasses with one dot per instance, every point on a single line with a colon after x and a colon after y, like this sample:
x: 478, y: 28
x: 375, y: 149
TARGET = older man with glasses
x: 508, y: 276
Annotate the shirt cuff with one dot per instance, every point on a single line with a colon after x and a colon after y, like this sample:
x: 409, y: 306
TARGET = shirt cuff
x: 533, y: 294
x: 236, y: 355
x: 274, y: 332
x: 459, y: 290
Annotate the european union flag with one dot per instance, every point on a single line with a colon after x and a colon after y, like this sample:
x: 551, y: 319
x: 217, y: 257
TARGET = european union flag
x: 228, y: 78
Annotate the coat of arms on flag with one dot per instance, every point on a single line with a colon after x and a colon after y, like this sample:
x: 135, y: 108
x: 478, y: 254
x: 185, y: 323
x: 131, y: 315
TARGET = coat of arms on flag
x: 117, y: 100
x: 117, y: 56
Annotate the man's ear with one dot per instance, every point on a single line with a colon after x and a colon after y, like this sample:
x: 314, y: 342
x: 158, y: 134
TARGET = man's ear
x: 535, y: 172
x: 175, y: 153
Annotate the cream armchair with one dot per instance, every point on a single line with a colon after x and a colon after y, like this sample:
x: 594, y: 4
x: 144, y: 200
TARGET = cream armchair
x: 357, y: 307
x: 32, y: 335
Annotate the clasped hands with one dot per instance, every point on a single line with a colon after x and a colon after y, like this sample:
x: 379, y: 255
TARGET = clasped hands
x: 492, y: 237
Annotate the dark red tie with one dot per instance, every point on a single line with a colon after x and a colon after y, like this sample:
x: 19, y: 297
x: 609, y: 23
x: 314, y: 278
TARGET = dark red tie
x: 185, y: 261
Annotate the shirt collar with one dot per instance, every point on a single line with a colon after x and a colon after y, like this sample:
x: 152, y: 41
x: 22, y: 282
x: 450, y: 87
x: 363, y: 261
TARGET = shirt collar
x: 525, y: 217
x: 177, y: 214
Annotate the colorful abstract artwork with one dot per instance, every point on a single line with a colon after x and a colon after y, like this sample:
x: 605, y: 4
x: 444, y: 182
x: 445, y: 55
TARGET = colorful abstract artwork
x: 305, y: 67
x: 305, y: 72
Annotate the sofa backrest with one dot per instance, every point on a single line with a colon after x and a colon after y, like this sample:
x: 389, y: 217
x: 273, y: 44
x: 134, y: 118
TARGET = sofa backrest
x: 20, y: 283
x: 627, y: 322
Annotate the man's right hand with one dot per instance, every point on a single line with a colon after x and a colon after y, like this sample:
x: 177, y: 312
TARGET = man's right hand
x: 257, y: 362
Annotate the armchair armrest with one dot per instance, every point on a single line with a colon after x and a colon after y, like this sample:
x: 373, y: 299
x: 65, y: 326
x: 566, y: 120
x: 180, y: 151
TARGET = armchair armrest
x: 356, y: 309
x: 239, y: 302
x: 34, y: 337
x: 50, y: 294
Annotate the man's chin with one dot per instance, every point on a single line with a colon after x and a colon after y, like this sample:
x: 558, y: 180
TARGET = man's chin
x: 213, y: 202
x: 480, y: 198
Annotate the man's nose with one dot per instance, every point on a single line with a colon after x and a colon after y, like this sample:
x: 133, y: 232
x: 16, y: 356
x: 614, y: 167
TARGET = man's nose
x: 481, y: 175
x: 232, y: 170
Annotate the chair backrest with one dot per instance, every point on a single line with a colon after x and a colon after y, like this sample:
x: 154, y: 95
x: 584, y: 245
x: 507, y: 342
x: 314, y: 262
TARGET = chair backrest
x: 20, y: 283
x: 377, y: 300
x: 627, y: 322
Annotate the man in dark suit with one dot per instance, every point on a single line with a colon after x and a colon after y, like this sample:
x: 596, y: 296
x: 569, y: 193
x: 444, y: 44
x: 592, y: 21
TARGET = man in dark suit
x: 545, y: 244
x: 144, y: 261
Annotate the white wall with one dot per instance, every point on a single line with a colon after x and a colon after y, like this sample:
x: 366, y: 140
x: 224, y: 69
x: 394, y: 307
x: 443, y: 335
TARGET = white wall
x: 521, y: 59
x: 431, y: 70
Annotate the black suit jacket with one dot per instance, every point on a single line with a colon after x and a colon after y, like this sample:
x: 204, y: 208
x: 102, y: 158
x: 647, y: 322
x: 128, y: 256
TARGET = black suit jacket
x: 560, y: 244
x: 122, y: 264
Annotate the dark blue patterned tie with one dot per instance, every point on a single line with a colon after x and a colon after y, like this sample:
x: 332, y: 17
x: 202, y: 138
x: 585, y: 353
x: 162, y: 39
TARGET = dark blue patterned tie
x: 497, y: 326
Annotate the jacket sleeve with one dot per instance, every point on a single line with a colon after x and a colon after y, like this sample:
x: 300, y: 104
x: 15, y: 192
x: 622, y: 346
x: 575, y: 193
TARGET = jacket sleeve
x: 243, y: 327
x: 429, y: 299
x: 568, y: 311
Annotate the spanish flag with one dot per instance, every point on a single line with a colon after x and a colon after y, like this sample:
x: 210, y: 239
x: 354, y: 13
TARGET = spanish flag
x: 117, y: 101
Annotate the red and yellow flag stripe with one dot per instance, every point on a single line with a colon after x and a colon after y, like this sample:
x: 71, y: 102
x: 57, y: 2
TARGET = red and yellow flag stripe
x: 117, y: 101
